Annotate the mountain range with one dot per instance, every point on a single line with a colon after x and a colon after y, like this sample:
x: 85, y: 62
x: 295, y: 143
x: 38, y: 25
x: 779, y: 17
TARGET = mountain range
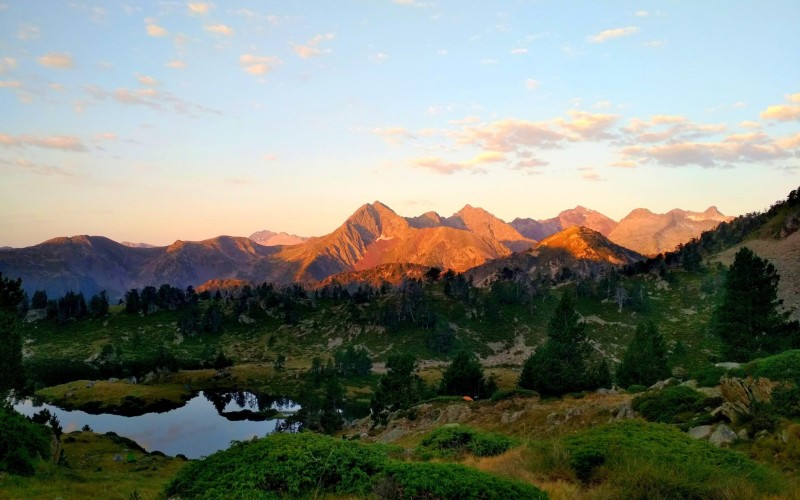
x: 374, y: 235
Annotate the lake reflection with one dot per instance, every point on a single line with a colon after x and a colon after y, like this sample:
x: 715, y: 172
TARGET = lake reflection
x: 196, y: 429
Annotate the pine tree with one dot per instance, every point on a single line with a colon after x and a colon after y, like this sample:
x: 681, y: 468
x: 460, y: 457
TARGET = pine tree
x: 747, y: 320
x: 645, y: 360
x: 10, y: 339
x: 464, y: 376
x: 562, y: 364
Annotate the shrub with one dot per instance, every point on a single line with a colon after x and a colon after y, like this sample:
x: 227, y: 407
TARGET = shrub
x: 784, y: 366
x: 22, y: 442
x: 502, y: 394
x: 646, y: 460
x: 450, y: 481
x: 459, y: 439
x: 283, y: 465
x: 671, y: 405
x: 635, y: 389
x: 707, y: 375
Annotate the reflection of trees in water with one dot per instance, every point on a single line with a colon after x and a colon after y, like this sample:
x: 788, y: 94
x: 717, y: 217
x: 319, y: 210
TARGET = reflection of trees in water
x: 246, y: 402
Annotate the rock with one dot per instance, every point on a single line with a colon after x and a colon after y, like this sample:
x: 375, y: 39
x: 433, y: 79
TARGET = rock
x: 700, y: 432
x: 722, y: 435
x: 728, y: 365
x: 34, y: 315
x: 743, y: 435
x: 692, y: 384
x: 113, y: 380
x: 679, y: 372
x: 90, y: 385
x: 149, y: 378
x: 132, y: 380
x: 740, y: 393
x: 663, y: 383
x: 730, y: 411
x: 245, y: 319
x: 118, y: 458
x: 625, y: 412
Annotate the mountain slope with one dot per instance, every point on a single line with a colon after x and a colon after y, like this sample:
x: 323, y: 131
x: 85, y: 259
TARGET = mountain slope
x: 269, y: 238
x: 650, y: 234
x: 586, y: 244
x: 483, y: 224
x: 578, y: 216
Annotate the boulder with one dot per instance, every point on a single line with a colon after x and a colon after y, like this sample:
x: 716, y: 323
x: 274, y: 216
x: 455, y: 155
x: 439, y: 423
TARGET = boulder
x: 700, y: 432
x: 663, y: 383
x: 625, y: 412
x: 722, y: 435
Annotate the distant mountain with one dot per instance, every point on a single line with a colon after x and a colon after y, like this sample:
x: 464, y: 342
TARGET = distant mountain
x: 650, y: 234
x: 393, y: 274
x: 578, y: 216
x: 136, y: 245
x: 581, y: 250
x: 269, y: 238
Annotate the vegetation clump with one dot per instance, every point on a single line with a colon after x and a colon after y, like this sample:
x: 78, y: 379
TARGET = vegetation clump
x: 303, y: 464
x: 456, y: 440
x: 22, y: 442
x: 671, y: 405
x: 645, y: 360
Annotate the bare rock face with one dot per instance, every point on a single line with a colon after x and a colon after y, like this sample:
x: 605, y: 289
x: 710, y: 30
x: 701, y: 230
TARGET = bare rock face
x: 740, y: 394
x: 723, y: 435
x: 700, y: 432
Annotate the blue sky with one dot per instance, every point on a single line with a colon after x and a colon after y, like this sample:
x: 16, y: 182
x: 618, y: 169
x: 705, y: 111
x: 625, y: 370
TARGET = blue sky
x: 156, y: 121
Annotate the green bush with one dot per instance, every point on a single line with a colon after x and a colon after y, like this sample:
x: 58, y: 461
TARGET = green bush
x: 646, y: 460
x: 786, y: 401
x: 636, y: 388
x: 671, y: 405
x: 22, y: 442
x: 780, y: 367
x: 458, y: 439
x: 707, y: 375
x: 449, y: 481
x: 281, y: 465
x: 501, y: 394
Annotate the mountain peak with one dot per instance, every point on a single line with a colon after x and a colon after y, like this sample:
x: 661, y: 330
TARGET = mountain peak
x: 585, y: 243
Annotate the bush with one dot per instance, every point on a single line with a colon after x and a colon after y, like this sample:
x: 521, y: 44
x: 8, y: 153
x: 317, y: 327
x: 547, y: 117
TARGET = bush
x: 459, y: 439
x: 635, y: 389
x: 502, y: 394
x: 645, y: 460
x: 707, y: 375
x: 780, y: 367
x: 282, y: 465
x: 671, y: 405
x: 450, y: 481
x: 22, y: 442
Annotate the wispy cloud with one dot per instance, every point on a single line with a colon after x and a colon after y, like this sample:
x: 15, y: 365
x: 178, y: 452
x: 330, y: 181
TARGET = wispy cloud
x: 312, y: 47
x: 379, y: 57
x: 28, y: 32
x: 29, y: 167
x: 10, y: 84
x: 258, y: 65
x: 519, y: 51
x: 220, y: 29
x: 393, y: 135
x: 199, y: 7
x: 606, y: 35
x: 59, y: 60
x: 474, y: 165
x: 532, y: 84
x: 153, y: 29
x: 148, y: 80
x: 176, y: 64
x: 7, y: 64
x: 60, y: 142
x: 148, y: 97
x: 784, y: 112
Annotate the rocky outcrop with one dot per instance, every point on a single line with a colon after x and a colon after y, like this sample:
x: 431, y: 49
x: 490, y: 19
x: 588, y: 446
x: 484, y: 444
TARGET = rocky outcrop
x: 722, y: 436
x: 740, y: 394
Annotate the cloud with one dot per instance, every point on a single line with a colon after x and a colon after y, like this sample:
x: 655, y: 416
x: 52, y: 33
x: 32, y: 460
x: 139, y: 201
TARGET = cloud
x: 28, y: 166
x: 784, y: 112
x: 199, y: 7
x: 154, y: 30
x: 474, y: 165
x: 10, y: 84
x: 270, y: 157
x: 379, y: 57
x: 510, y: 135
x: 220, y: 29
x: 642, y: 13
x: 28, y: 32
x: 56, y: 60
x: 148, y: 80
x: 519, y: 51
x: 106, y: 136
x: 531, y: 84
x: 60, y: 142
x: 258, y: 65
x: 465, y: 120
x: 487, y: 62
x: 606, y: 35
x: 590, y: 175
x: 7, y: 64
x: 393, y: 135
x: 312, y: 47
x: 655, y: 44
x: 149, y: 97
x: 588, y: 126
x: 176, y: 64
x: 441, y: 52
x: 749, y: 124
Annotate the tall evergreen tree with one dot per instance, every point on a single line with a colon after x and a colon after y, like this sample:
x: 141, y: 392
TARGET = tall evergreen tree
x: 10, y: 340
x: 400, y: 388
x: 747, y: 320
x: 645, y: 360
x: 464, y: 376
x: 563, y: 363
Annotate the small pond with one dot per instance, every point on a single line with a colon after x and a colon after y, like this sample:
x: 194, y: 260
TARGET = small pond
x: 206, y: 423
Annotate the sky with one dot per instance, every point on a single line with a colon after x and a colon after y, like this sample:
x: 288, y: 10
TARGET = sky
x: 158, y: 121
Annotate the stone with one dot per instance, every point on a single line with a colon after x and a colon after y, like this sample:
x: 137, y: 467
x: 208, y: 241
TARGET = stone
x: 113, y: 380
x: 245, y: 319
x: 722, y: 435
x: 700, y: 432
x: 118, y: 458
x: 692, y: 384
x: 625, y: 412
x: 149, y: 378
x: 728, y: 365
x: 743, y: 434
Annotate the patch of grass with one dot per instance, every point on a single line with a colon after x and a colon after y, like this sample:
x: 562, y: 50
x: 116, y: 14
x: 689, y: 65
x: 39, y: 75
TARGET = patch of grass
x: 671, y: 405
x: 780, y: 367
x: 87, y: 469
x: 644, y: 460
x: 457, y: 440
x: 502, y: 394
x: 116, y: 397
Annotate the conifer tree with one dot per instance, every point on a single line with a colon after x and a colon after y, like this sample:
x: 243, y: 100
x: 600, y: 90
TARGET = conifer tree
x: 645, y: 360
x: 562, y: 364
x: 747, y: 320
x: 464, y: 376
